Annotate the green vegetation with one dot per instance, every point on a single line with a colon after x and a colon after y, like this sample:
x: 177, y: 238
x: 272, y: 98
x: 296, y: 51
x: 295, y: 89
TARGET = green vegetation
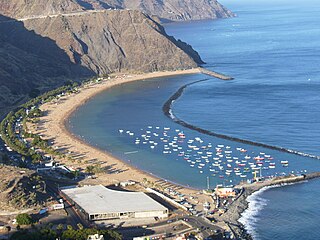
x: 13, y: 128
x: 24, y: 219
x: 47, y: 233
x: 30, y: 112
x: 94, y: 169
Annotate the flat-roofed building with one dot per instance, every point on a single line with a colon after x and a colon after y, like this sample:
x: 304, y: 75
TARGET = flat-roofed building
x: 100, y: 203
x: 225, y: 192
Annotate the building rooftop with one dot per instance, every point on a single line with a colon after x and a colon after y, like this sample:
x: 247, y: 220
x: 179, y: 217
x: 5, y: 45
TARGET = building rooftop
x: 99, y: 199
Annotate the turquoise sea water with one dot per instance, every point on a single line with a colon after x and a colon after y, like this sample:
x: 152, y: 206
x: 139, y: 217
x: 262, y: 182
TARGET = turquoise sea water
x: 273, y: 52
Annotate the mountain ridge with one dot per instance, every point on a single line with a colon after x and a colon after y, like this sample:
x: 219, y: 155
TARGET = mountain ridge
x: 167, y: 10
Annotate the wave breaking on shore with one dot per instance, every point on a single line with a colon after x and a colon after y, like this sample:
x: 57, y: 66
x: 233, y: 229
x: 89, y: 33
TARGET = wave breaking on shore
x: 250, y: 216
x: 256, y: 203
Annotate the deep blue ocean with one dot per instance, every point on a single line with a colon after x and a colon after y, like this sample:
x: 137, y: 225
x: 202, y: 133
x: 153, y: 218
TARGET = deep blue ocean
x: 272, y: 49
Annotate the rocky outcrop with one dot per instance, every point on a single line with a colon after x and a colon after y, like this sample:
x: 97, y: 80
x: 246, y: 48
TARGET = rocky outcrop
x: 116, y: 41
x: 42, y: 53
x: 59, y: 40
x: 180, y: 10
x: 27, y: 8
x: 173, y: 10
x: 20, y: 189
x: 28, y: 61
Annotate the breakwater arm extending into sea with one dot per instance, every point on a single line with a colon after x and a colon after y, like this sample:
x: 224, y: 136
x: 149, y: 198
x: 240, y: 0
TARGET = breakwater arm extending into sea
x: 167, y: 110
x: 215, y: 74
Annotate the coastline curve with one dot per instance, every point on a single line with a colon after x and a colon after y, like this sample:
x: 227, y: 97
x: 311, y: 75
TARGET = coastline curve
x: 167, y: 110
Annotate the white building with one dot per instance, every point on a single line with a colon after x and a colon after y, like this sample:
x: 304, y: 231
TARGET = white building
x: 100, y: 203
x: 95, y: 237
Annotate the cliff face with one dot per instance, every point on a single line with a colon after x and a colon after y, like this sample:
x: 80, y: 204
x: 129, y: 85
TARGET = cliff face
x: 180, y: 10
x: 173, y: 10
x: 114, y: 41
x: 42, y: 53
x: 60, y: 40
x: 27, y: 8
x: 28, y: 62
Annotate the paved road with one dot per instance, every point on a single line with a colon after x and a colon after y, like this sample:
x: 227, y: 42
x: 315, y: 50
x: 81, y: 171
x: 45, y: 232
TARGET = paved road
x: 73, y: 216
x: 203, y: 224
x: 56, y: 15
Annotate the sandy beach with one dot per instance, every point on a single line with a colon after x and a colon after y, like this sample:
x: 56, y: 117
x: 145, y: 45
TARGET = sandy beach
x: 52, y: 127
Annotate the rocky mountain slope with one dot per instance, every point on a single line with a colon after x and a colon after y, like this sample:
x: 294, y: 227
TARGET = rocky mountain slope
x: 176, y: 10
x: 81, y: 38
x: 42, y: 53
x: 28, y: 62
x: 20, y: 189
x: 114, y: 41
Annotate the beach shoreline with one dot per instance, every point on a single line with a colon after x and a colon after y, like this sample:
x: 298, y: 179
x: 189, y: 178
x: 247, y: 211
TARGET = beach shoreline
x: 53, y: 126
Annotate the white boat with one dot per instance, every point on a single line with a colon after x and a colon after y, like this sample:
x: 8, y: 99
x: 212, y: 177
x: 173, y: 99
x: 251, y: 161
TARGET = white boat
x: 120, y: 130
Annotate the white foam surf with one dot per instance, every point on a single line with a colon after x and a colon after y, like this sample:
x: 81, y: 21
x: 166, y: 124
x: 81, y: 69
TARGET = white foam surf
x: 256, y: 203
